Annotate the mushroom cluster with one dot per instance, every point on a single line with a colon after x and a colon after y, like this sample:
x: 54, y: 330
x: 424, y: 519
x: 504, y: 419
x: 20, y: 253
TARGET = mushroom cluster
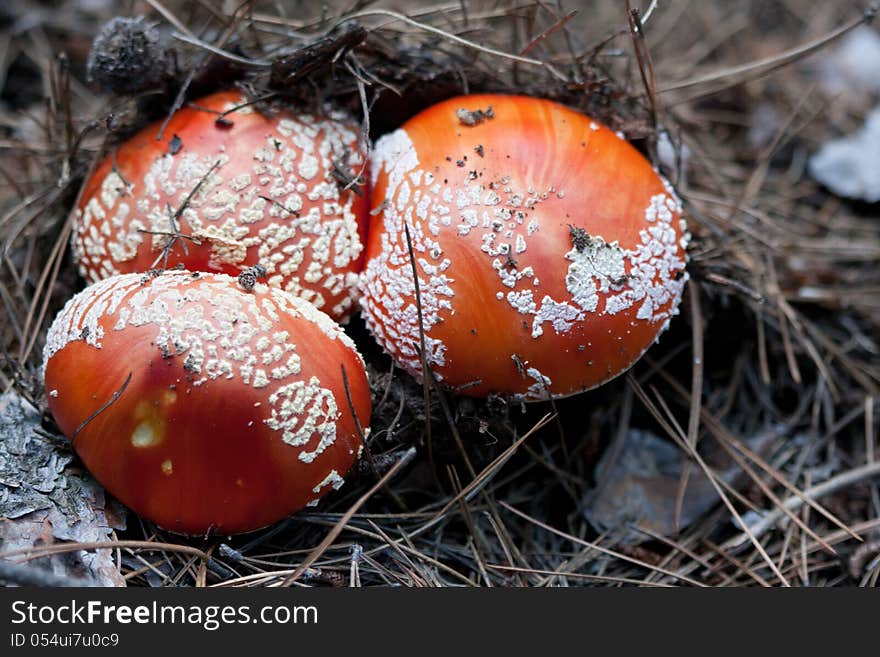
x: 549, y: 253
x: 518, y: 248
x: 226, y: 188
x: 202, y: 406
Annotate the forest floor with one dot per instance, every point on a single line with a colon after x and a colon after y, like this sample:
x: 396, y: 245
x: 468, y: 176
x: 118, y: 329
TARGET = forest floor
x: 741, y: 450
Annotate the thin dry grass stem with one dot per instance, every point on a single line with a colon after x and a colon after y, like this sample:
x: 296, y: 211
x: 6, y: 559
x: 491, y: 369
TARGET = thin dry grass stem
x: 171, y: 18
x: 586, y: 576
x: 426, y: 377
x: 480, y: 564
x: 729, y: 442
x: 219, y: 52
x: 842, y: 480
x: 616, y: 446
x: 447, y: 413
x: 643, y: 59
x: 696, y: 391
x: 357, y: 421
x: 343, y: 521
x: 676, y: 434
x: 511, y: 553
x: 678, y: 549
x: 697, y: 363
x: 744, y: 466
x: 408, y: 544
x: 483, y: 478
x: 787, y: 542
x: 741, y: 567
x: 460, y: 41
x: 761, y: 169
x: 598, y: 548
x: 403, y: 544
x: 738, y: 74
x: 44, y: 550
x: 103, y: 407
x: 567, y: 480
x: 394, y: 545
x: 558, y: 25
x: 474, y: 533
x: 865, y: 378
x: 40, y: 304
x: 805, y: 511
x: 46, y: 282
x: 209, y: 51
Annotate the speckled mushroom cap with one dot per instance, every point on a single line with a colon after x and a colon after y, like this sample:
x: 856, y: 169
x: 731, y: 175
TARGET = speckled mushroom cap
x: 550, y: 254
x: 250, y: 189
x: 234, y: 413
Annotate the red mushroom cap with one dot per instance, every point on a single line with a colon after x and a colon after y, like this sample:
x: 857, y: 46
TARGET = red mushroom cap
x: 202, y: 406
x: 550, y: 254
x: 247, y: 189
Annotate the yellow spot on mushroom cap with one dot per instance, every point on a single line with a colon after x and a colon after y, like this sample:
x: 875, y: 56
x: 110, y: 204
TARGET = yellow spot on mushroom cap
x: 145, y: 434
x: 167, y: 467
x: 150, y: 431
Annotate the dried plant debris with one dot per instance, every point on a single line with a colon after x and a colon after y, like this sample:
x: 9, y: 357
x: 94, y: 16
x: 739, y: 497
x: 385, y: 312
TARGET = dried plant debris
x: 287, y: 69
x: 127, y: 56
x: 474, y: 117
x: 850, y: 166
x: 45, y: 498
x: 649, y: 484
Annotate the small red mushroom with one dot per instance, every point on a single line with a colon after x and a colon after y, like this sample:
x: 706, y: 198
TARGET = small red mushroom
x: 550, y: 254
x: 221, y: 192
x: 202, y: 406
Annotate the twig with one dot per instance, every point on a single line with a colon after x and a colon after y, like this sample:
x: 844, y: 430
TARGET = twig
x: 827, y: 487
x: 559, y: 24
x: 15, y: 573
x: 460, y: 41
x: 44, y: 550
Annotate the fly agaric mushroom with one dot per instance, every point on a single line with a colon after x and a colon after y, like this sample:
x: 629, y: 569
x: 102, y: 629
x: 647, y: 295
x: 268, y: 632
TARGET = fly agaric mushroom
x: 227, y: 188
x: 203, y: 406
x: 549, y: 253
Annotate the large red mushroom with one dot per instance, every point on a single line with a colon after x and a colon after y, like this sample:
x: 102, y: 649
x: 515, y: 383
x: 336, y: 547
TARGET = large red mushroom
x: 227, y: 188
x: 549, y: 253
x: 203, y: 406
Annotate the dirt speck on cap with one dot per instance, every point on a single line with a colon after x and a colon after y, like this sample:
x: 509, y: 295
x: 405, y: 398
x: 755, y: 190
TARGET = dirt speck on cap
x: 474, y: 117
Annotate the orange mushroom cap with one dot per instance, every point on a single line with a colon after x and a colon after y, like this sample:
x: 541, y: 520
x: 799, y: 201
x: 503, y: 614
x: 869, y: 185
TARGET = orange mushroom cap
x: 240, y: 191
x: 550, y: 254
x: 202, y: 406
